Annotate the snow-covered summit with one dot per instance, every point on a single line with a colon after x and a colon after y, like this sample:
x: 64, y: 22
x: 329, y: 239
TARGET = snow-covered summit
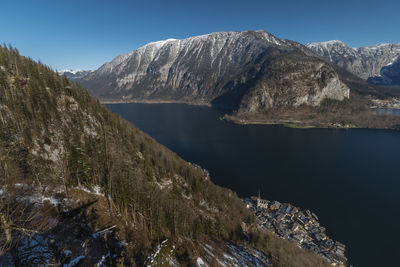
x: 219, y: 66
x: 212, y: 44
x: 327, y: 44
x: 72, y: 71
x: 74, y: 74
x: 161, y: 42
x: 364, y: 62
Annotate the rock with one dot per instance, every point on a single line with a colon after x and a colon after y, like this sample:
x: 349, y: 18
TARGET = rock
x: 379, y: 64
x: 252, y: 70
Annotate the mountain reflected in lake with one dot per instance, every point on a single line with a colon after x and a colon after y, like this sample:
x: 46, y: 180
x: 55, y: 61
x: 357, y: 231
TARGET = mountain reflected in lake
x: 349, y: 178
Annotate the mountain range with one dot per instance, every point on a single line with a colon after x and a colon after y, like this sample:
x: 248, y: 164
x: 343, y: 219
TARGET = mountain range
x: 253, y: 76
x: 378, y: 64
x: 252, y: 70
x: 74, y: 75
x: 80, y: 185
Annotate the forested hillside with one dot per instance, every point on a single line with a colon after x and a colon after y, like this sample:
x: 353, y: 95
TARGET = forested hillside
x: 67, y: 161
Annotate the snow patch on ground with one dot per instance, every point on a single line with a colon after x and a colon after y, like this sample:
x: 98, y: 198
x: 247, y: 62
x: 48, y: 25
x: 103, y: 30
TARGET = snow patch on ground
x: 40, y: 199
x: 96, y: 190
x: 237, y: 256
x: 152, y: 257
x: 209, y: 249
x: 200, y: 262
x: 34, y: 250
x: 247, y: 257
x: 36, y: 194
x: 102, y: 261
x: 74, y: 261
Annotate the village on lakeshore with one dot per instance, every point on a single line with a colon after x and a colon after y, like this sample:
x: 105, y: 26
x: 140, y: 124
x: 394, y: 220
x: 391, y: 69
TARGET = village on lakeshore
x: 298, y: 226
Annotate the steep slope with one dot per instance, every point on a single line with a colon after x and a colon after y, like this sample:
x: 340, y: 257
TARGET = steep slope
x: 369, y: 63
x: 389, y: 75
x: 80, y: 184
x: 219, y: 69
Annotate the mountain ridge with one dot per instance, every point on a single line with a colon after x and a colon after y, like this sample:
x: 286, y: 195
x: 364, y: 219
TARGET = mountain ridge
x: 74, y: 75
x: 372, y: 63
x: 218, y: 69
x: 252, y: 76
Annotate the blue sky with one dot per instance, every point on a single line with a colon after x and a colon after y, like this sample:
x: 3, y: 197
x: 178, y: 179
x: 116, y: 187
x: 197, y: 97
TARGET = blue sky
x: 85, y: 34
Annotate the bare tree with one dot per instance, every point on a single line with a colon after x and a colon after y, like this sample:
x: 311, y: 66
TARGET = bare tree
x: 19, y: 216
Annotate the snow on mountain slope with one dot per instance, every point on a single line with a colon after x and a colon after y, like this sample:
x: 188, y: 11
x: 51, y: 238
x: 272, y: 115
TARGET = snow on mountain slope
x: 219, y: 69
x: 365, y: 62
x: 74, y: 74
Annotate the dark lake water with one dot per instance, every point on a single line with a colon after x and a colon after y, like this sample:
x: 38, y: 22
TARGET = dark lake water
x: 349, y: 178
x: 388, y: 111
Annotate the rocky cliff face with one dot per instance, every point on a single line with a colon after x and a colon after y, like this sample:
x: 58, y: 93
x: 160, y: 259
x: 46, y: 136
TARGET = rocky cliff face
x: 373, y: 63
x: 291, y: 81
x: 389, y: 74
x: 224, y: 69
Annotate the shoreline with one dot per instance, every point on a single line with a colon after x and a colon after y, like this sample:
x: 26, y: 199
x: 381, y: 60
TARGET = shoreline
x: 295, y: 124
x: 105, y: 101
x: 298, y: 124
x: 382, y: 107
x: 291, y: 124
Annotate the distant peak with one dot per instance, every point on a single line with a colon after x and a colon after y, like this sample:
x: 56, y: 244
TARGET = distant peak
x: 334, y: 42
x: 378, y: 46
x: 162, y: 42
x: 327, y: 43
x: 72, y: 71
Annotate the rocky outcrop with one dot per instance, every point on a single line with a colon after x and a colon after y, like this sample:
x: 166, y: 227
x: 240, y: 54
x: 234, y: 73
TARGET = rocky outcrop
x: 224, y: 69
x: 291, y: 82
x: 372, y: 63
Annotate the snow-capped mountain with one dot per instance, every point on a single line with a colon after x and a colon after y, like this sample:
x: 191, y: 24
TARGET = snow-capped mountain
x: 253, y: 70
x: 377, y: 63
x: 74, y: 74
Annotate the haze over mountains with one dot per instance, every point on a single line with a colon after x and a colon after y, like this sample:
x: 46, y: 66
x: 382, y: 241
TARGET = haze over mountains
x: 379, y: 64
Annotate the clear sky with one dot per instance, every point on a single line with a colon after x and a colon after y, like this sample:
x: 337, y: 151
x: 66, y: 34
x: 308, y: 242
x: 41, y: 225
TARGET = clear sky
x: 84, y: 34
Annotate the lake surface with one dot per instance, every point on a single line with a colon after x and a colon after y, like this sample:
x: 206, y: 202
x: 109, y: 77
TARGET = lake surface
x: 349, y: 178
x: 388, y: 111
